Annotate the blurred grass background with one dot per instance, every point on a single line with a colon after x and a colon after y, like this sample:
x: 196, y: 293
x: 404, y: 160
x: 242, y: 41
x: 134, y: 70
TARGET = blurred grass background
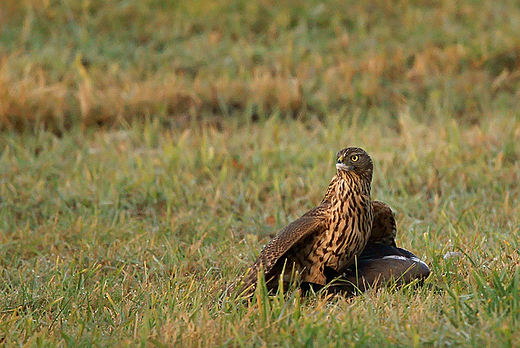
x: 148, y: 149
x: 65, y: 62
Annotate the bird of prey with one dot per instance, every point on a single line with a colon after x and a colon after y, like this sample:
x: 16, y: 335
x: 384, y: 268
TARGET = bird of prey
x: 325, y: 240
x: 381, y: 262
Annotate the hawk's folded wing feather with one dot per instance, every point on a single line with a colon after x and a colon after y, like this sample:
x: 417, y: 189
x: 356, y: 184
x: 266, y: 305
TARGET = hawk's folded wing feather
x: 384, y: 229
x: 311, y: 222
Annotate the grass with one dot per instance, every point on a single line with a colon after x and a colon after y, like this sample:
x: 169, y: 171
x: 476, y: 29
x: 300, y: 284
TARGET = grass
x: 123, y: 237
x: 149, y: 149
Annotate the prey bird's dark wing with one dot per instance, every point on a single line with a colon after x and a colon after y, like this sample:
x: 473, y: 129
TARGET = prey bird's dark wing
x: 311, y: 222
x: 378, y: 265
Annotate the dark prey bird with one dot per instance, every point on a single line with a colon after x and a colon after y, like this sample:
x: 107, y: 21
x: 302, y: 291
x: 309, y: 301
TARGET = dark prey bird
x: 325, y: 240
x: 381, y: 262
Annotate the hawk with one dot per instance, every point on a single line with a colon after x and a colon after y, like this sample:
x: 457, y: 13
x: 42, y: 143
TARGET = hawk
x: 325, y: 240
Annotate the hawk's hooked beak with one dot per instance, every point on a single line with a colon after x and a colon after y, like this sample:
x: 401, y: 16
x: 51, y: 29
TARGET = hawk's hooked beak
x: 342, y: 166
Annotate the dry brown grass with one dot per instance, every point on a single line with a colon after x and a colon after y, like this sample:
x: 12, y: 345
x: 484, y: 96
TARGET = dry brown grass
x: 93, y: 62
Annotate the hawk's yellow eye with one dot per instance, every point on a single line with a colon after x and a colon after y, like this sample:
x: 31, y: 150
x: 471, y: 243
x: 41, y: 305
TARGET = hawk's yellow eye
x: 354, y: 158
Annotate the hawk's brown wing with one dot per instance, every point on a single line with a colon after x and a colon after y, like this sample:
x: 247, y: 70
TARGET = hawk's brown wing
x: 384, y: 229
x: 309, y: 223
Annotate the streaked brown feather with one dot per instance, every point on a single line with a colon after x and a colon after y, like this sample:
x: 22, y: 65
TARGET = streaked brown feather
x: 384, y: 229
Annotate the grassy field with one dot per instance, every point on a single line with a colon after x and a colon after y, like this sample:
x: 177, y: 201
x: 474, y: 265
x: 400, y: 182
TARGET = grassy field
x: 149, y: 150
x: 124, y: 237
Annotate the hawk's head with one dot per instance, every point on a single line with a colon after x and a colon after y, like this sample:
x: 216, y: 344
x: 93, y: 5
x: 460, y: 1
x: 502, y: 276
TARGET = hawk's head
x: 356, y: 160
